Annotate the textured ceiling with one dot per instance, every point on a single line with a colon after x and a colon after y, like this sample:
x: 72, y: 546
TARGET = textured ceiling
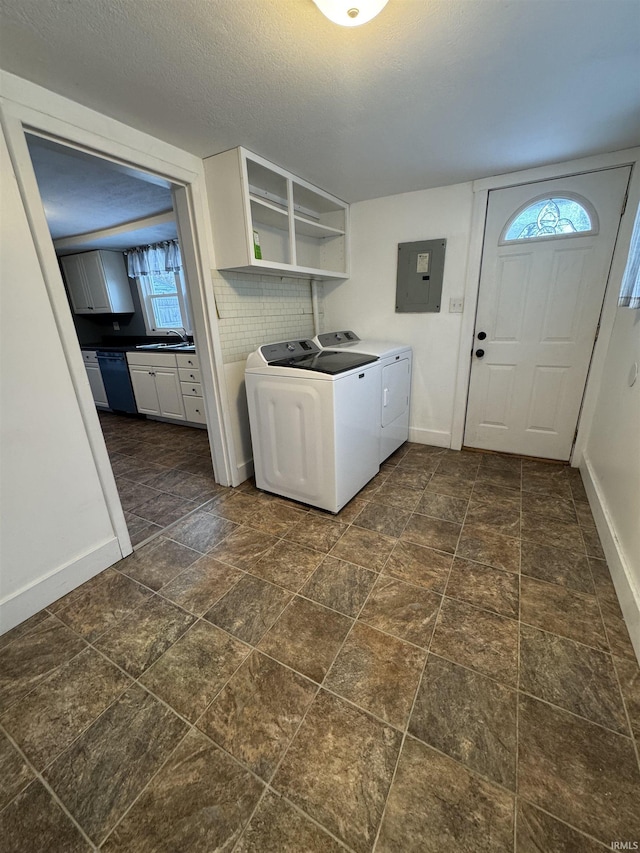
x: 429, y: 93
x: 81, y: 194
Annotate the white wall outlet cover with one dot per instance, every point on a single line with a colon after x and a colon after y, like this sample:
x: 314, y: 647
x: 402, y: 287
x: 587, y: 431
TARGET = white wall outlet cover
x: 116, y: 326
x: 456, y: 306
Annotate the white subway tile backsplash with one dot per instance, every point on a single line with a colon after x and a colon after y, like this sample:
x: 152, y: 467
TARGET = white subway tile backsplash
x: 254, y: 310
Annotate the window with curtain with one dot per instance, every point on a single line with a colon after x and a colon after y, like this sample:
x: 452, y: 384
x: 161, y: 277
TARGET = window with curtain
x: 158, y: 272
x: 630, y: 289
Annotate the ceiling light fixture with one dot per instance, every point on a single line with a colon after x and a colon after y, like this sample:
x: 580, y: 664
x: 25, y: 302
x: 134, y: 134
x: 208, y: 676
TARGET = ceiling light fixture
x: 350, y: 13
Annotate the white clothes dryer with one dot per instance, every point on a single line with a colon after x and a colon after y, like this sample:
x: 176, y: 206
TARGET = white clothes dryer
x: 313, y: 416
x: 396, y: 362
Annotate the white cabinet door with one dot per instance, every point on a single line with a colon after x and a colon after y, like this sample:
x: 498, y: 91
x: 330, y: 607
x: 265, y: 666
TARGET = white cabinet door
x: 97, y: 385
x: 169, y: 392
x: 116, y: 282
x: 73, y: 267
x: 143, y: 381
x: 95, y: 282
x: 98, y: 283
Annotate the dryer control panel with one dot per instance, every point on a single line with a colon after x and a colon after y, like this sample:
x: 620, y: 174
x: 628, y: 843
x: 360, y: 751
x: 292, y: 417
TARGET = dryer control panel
x: 332, y: 339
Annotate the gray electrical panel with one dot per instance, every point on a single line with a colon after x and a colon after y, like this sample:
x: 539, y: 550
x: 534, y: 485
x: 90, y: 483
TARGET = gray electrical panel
x: 420, y: 272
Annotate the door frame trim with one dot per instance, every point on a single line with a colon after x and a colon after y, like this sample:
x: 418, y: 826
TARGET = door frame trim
x: 26, y: 107
x: 481, y: 189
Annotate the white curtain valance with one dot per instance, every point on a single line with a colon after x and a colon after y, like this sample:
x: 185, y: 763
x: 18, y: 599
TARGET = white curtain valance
x: 630, y: 289
x: 153, y: 260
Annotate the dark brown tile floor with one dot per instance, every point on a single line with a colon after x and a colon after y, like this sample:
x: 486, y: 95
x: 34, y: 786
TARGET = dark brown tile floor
x: 163, y: 471
x: 442, y: 666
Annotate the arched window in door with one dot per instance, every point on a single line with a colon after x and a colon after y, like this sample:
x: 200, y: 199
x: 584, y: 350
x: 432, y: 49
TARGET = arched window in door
x: 550, y: 217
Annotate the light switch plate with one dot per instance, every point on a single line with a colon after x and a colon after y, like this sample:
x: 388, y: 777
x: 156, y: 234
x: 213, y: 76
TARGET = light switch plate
x: 456, y: 306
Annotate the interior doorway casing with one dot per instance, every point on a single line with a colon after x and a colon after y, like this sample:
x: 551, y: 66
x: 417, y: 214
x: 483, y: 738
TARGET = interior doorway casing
x: 481, y: 189
x: 184, y: 173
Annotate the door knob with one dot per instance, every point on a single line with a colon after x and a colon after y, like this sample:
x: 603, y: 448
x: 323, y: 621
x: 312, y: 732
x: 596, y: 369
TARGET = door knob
x: 479, y: 353
x: 482, y: 336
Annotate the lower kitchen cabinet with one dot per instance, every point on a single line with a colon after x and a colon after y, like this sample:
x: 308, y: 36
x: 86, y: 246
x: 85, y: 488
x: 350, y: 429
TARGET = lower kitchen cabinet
x: 95, y: 378
x: 194, y: 409
x: 189, y: 373
x: 156, y: 384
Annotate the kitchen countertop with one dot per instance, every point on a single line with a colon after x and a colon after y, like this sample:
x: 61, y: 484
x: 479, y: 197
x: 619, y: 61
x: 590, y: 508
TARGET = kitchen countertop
x: 109, y: 347
x: 103, y: 347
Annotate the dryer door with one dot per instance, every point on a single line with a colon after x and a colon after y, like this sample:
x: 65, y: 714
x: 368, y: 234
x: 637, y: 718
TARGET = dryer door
x: 396, y: 381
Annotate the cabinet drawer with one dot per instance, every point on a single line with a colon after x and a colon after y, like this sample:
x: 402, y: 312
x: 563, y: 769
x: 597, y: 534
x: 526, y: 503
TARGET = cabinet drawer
x: 155, y: 359
x: 194, y: 409
x: 89, y: 357
x: 189, y: 374
x: 191, y: 389
x: 187, y: 359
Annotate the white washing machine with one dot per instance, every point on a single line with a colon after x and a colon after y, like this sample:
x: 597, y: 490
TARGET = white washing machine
x: 313, y: 415
x: 395, y: 383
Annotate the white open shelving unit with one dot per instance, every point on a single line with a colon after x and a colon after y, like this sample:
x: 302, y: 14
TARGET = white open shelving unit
x: 303, y: 231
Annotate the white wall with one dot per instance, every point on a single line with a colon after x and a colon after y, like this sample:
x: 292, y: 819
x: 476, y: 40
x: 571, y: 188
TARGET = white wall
x: 55, y: 526
x: 613, y: 446
x: 366, y: 303
x: 611, y: 456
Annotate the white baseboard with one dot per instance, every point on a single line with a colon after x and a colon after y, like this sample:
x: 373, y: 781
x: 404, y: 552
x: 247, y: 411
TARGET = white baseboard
x: 623, y: 580
x: 244, y: 470
x: 436, y: 437
x: 30, y: 599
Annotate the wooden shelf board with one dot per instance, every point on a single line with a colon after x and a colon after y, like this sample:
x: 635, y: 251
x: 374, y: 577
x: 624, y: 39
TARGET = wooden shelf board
x: 272, y: 268
x: 314, y: 229
x: 266, y: 213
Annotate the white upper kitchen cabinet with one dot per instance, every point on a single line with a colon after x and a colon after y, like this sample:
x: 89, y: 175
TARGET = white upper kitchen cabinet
x: 98, y: 283
x: 301, y: 230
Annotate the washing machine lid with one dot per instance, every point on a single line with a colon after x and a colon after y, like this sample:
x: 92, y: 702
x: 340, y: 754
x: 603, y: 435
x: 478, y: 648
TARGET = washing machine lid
x: 331, y: 362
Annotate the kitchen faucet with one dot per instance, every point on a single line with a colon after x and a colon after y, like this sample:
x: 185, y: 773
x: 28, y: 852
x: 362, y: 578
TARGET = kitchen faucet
x: 181, y: 335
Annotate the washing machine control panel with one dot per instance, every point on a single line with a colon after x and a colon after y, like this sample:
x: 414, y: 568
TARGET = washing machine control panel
x: 287, y: 349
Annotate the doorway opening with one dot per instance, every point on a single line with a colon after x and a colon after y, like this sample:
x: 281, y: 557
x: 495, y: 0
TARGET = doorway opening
x: 136, y: 335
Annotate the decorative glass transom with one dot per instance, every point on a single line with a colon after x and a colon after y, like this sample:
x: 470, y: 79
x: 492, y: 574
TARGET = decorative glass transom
x: 549, y: 217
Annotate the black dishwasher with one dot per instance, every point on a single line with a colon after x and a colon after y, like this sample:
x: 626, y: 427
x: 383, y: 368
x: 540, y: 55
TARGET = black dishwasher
x: 117, y: 382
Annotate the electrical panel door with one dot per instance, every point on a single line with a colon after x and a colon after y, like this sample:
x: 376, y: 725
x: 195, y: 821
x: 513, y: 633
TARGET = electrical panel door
x: 420, y: 273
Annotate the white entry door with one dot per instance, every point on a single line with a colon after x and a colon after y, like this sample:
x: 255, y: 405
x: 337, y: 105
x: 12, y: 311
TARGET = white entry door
x: 546, y: 258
